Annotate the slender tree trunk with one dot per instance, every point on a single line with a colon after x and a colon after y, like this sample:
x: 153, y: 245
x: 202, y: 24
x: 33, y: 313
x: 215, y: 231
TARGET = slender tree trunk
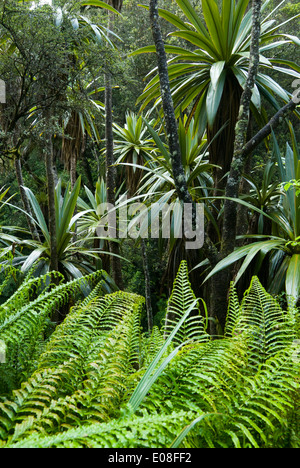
x: 110, y: 168
x: 239, y: 159
x: 49, y: 164
x: 220, y: 139
x: 220, y: 282
x: 73, y: 175
x: 147, y: 286
x: 25, y: 202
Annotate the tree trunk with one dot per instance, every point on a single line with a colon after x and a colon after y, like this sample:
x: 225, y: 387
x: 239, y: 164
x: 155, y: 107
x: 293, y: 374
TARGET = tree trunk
x: 239, y: 159
x: 220, y: 138
x: 73, y: 172
x: 49, y: 163
x: 86, y: 165
x: 110, y: 168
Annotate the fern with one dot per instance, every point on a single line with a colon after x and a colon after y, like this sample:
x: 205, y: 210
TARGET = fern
x: 153, y: 430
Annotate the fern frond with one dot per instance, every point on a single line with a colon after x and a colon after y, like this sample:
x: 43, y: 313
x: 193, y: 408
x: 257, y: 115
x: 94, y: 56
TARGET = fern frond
x: 233, y: 313
x: 30, y: 288
x: 23, y: 329
x: 263, y: 402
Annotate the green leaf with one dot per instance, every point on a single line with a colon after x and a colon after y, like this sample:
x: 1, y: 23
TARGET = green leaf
x: 35, y: 255
x: 292, y: 282
x: 239, y: 13
x: 173, y: 19
x: 200, y: 41
x: 241, y: 252
x: 38, y: 213
x: 68, y: 211
x: 158, y: 141
x: 213, y: 22
x: 216, y: 71
x: 263, y: 248
x: 192, y: 15
x: 215, y: 91
x: 143, y: 50
x: 228, y: 9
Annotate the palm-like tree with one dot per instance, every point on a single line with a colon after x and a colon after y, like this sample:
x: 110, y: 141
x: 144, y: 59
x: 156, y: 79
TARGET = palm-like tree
x: 158, y: 187
x: 91, y: 219
x: 159, y: 180
x: 80, y: 121
x: 207, y: 77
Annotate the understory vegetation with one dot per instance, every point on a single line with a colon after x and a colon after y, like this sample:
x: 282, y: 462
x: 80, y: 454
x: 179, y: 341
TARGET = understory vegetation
x: 99, y: 381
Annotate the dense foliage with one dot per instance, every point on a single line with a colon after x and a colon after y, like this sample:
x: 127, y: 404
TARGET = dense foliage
x: 115, y: 118
x: 99, y: 381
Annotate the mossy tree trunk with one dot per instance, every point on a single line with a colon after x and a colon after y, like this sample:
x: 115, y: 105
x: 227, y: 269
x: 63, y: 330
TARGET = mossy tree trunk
x: 50, y: 174
x: 168, y: 107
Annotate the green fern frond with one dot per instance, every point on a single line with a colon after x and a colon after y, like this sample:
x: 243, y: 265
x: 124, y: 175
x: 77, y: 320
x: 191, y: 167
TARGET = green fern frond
x: 270, y: 329
x: 180, y: 301
x: 95, y: 351
x: 262, y: 403
x: 233, y: 314
x: 30, y: 288
x: 155, y: 430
